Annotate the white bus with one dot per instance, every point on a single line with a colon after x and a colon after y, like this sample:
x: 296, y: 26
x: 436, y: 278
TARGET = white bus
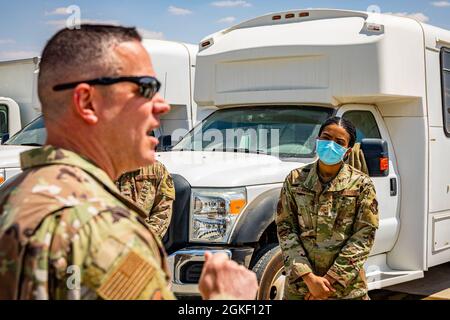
x: 288, y: 71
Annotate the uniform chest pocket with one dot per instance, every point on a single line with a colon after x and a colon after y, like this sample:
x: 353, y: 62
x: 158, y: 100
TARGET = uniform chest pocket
x: 306, y: 205
x: 345, y: 205
x: 146, y: 186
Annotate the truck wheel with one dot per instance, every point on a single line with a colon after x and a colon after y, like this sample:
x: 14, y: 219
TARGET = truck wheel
x: 269, y: 270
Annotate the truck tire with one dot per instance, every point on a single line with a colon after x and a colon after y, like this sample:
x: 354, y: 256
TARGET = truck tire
x: 269, y: 270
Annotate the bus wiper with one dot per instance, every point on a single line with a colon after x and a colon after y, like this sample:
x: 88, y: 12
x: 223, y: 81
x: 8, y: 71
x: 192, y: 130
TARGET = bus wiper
x: 31, y: 144
x: 258, y: 151
x: 241, y: 150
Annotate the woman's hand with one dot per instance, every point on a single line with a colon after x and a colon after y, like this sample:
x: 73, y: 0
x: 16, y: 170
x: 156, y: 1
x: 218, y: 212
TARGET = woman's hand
x: 319, y: 287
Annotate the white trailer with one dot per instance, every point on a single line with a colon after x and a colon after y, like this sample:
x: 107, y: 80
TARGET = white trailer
x: 19, y: 103
x: 174, y: 64
x: 390, y: 75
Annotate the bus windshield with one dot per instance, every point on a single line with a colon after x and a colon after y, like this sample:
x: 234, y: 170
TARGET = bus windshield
x: 284, y: 131
x: 34, y: 134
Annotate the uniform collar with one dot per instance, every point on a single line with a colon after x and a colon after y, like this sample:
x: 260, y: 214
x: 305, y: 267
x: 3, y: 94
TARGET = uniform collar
x: 49, y: 155
x: 312, y: 181
x: 339, y: 183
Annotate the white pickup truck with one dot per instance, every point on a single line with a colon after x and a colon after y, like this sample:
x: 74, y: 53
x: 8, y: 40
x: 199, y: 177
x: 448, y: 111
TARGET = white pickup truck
x: 274, y: 80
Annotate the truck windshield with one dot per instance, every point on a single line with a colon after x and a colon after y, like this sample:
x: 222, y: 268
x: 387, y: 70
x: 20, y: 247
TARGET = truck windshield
x: 283, y: 131
x: 34, y: 134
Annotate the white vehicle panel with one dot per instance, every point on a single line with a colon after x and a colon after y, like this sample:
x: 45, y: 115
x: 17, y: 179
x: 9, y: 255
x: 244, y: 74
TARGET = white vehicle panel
x: 10, y: 155
x: 226, y: 169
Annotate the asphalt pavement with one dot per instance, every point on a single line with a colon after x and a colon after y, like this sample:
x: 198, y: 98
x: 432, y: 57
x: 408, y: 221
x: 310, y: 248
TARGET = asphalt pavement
x: 434, y: 286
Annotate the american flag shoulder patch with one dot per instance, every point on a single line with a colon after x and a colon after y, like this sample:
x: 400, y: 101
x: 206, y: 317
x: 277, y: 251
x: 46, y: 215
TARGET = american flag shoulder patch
x: 128, y: 279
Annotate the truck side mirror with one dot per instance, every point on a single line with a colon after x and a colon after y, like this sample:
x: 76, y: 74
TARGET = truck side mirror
x: 165, y: 143
x: 5, y: 137
x: 376, y: 154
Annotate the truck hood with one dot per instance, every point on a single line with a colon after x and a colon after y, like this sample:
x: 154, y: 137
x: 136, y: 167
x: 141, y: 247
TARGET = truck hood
x: 10, y: 155
x: 227, y: 169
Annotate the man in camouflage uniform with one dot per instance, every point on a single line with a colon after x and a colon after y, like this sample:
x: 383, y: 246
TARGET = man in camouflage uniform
x: 66, y: 232
x: 327, y: 230
x: 151, y: 188
x: 49, y: 214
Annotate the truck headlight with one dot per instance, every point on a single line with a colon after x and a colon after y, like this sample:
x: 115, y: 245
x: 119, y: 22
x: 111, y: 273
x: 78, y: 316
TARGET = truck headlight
x: 214, y: 213
x: 2, y: 176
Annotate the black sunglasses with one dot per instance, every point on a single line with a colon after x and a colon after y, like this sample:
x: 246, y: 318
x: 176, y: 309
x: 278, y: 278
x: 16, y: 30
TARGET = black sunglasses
x: 148, y: 86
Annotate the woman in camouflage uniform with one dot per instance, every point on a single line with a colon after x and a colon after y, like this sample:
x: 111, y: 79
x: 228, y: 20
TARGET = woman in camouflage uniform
x: 326, y: 221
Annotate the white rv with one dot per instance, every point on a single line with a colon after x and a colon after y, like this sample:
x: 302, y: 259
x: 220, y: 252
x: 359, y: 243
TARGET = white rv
x: 174, y: 64
x: 289, y: 71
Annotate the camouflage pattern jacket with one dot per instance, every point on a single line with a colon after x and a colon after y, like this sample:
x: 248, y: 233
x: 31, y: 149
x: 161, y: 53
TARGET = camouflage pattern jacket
x: 151, y: 188
x: 327, y: 230
x: 67, y: 233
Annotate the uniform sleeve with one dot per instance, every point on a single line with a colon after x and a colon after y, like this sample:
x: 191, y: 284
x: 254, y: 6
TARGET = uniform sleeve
x: 294, y: 254
x: 111, y: 257
x: 355, y: 252
x: 126, y: 184
x: 161, y: 212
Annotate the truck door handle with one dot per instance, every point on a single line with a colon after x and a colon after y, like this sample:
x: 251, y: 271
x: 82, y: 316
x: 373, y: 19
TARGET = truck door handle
x: 393, y: 183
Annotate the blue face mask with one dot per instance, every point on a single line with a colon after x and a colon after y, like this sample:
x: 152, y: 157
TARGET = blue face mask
x: 330, y: 152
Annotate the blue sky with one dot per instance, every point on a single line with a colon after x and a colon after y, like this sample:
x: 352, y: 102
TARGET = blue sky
x: 26, y: 25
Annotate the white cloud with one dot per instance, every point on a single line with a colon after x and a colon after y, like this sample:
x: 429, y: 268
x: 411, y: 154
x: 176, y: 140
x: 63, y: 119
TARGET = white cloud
x: 150, y: 34
x: 18, y: 54
x: 418, y: 15
x: 7, y: 41
x: 57, y: 12
x: 441, y: 4
x: 63, y: 23
x: 231, y: 3
x: 57, y: 23
x: 227, y: 20
x: 179, y: 11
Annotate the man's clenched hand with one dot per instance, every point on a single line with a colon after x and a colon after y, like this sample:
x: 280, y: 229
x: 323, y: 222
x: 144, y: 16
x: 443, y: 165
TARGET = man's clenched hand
x: 223, y: 278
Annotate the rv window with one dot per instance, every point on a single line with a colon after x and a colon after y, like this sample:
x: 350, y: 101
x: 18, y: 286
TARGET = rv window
x: 3, y: 119
x: 445, y: 61
x: 365, y: 123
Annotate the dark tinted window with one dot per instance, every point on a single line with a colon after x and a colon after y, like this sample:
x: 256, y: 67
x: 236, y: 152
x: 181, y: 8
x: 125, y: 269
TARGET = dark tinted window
x: 445, y: 61
x: 365, y: 123
x: 3, y: 119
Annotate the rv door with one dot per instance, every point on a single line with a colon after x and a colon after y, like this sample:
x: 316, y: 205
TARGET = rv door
x: 369, y: 125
